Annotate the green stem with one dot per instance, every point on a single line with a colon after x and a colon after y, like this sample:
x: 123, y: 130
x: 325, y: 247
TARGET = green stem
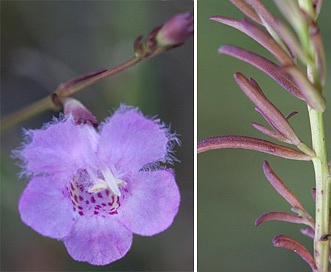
x: 307, y: 6
x: 84, y: 84
x: 64, y: 91
x: 322, y: 174
x: 46, y: 103
x: 321, y: 246
x: 26, y: 113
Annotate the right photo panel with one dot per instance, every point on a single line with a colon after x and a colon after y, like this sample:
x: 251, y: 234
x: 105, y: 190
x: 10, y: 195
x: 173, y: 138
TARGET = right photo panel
x: 264, y: 135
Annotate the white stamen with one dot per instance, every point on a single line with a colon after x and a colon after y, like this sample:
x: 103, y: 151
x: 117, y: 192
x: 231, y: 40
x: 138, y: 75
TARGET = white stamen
x: 99, y: 186
x: 111, y: 181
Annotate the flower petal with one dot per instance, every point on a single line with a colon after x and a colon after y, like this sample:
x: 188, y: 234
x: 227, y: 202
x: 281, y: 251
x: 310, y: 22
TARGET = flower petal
x: 60, y: 147
x: 128, y: 139
x: 98, y: 240
x: 152, y: 204
x: 44, y: 207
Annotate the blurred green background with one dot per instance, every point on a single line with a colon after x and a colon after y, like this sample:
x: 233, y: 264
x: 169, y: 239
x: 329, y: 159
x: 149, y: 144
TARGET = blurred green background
x: 44, y: 43
x: 232, y: 190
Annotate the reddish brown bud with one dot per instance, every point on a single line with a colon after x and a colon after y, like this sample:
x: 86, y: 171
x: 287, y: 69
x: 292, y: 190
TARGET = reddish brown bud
x: 176, y: 30
x: 79, y: 112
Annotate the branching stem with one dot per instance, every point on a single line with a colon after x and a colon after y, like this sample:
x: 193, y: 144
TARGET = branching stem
x: 67, y: 89
x: 63, y: 91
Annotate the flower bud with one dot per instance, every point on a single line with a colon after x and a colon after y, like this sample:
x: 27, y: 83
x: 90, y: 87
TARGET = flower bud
x: 78, y: 111
x: 176, y: 30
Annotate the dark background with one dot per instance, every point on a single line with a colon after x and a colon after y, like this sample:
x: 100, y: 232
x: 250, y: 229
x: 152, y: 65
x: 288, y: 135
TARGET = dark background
x: 44, y: 43
x: 232, y: 190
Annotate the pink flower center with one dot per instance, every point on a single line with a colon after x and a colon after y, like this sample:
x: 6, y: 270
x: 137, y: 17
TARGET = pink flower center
x: 88, y: 203
x: 108, y: 181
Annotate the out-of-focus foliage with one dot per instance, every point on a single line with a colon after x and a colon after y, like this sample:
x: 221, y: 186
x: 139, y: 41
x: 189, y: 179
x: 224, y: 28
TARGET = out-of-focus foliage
x: 44, y: 43
x: 232, y: 190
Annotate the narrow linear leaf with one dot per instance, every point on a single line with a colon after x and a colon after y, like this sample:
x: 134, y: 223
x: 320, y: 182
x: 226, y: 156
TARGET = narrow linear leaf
x: 244, y: 142
x: 312, y: 96
x: 317, y: 7
x: 281, y: 188
x: 270, y: 122
x: 291, y: 114
x: 289, y: 243
x: 265, y: 65
x: 291, y: 11
x: 277, y: 29
x: 247, y: 10
x: 280, y: 216
x: 270, y: 133
x: 274, y: 117
x: 291, y: 41
x: 259, y: 35
x: 317, y: 42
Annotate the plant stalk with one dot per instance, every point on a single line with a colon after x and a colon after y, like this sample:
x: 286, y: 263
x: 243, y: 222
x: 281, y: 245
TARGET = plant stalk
x: 26, y: 113
x: 322, y: 173
x: 46, y: 103
x: 321, y: 246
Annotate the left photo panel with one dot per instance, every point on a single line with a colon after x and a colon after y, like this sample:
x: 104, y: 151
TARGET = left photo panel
x: 97, y: 136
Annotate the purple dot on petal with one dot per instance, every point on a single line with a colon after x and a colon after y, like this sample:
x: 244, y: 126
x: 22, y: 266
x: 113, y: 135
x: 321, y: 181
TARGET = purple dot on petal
x: 92, y: 199
x: 99, y: 195
x: 96, y: 212
x: 81, y: 188
x: 81, y: 213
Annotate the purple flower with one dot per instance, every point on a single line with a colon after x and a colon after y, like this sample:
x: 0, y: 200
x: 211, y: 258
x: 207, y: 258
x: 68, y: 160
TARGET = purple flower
x: 93, y: 190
